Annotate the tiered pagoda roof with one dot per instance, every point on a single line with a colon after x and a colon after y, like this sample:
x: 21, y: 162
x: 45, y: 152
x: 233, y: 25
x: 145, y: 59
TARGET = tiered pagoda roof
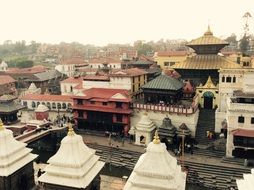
x: 183, y: 130
x: 13, y: 154
x: 156, y: 170
x: 74, y: 165
x: 167, y: 129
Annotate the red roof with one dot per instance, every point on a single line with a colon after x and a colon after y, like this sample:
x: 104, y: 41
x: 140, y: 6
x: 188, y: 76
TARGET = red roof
x: 6, y: 79
x: 96, y: 77
x: 105, y: 93
x: 130, y: 72
x: 243, y: 133
x: 73, y: 80
x: 47, y: 97
x: 31, y: 70
x: 172, y: 53
x: 188, y: 87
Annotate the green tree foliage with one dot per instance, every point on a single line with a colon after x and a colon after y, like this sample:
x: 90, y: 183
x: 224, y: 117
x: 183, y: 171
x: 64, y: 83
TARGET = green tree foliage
x: 20, y: 62
x: 231, y: 39
x: 245, y: 44
x: 144, y: 49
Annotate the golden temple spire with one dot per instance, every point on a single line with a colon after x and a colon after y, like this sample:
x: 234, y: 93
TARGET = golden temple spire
x: 70, y: 130
x: 156, y: 138
x: 208, y: 32
x: 1, y: 125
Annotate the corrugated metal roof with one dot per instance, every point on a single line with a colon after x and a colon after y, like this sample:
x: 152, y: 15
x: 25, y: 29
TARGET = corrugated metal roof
x: 164, y: 82
x: 48, y: 75
x: 206, y: 62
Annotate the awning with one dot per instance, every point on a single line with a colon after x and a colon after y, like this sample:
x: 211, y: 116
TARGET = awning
x: 243, y: 133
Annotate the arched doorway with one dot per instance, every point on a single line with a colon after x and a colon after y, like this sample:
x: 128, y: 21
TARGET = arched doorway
x: 208, y: 100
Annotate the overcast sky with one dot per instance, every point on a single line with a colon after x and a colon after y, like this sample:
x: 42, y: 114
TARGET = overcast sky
x: 119, y: 21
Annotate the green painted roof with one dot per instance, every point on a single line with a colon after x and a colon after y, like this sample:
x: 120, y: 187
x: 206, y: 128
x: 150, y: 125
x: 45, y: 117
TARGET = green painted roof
x: 164, y: 82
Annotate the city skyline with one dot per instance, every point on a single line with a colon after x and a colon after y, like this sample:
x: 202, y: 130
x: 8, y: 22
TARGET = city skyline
x: 102, y: 22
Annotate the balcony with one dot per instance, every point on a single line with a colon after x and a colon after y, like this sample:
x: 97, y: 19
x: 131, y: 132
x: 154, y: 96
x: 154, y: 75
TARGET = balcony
x: 234, y: 106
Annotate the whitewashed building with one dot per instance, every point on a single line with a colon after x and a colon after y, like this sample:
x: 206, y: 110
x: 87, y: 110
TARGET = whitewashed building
x: 3, y: 66
x: 74, y: 166
x: 156, y: 169
x: 144, y: 130
x: 71, y: 85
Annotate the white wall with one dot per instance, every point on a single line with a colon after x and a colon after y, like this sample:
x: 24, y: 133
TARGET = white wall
x: 157, y: 117
x: 95, y: 84
x: 121, y: 83
x: 66, y: 69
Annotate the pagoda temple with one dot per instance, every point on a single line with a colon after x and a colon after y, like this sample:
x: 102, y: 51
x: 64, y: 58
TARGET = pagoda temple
x: 9, y: 109
x: 74, y: 166
x: 167, y: 131
x: 206, y: 61
x: 16, y: 162
x: 156, y: 170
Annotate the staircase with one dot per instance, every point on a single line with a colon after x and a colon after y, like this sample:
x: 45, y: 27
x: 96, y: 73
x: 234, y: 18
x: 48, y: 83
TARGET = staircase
x: 206, y: 122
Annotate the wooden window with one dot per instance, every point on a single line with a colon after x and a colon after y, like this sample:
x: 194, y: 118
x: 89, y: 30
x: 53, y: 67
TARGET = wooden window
x: 119, y: 104
x: 119, y: 118
x: 234, y: 79
x: 223, y: 79
x: 104, y: 103
x: 228, y: 79
x: 79, y: 101
x: 166, y: 63
x: 252, y: 120
x: 92, y: 102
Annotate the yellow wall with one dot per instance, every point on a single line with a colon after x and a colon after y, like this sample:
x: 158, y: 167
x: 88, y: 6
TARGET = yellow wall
x: 138, y: 82
x: 201, y: 91
x: 162, y: 59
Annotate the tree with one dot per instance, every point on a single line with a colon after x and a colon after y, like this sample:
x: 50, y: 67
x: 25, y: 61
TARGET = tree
x: 21, y: 62
x: 231, y: 39
x: 245, y: 40
x: 144, y: 49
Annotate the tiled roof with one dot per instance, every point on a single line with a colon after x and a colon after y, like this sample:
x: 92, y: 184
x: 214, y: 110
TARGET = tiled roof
x: 172, y: 53
x: 105, y: 93
x: 205, y: 62
x: 72, y: 80
x: 96, y: 77
x: 207, y: 39
x: 164, y: 82
x: 243, y: 133
x: 47, y: 75
x: 129, y: 72
x: 47, y: 97
x: 6, y: 79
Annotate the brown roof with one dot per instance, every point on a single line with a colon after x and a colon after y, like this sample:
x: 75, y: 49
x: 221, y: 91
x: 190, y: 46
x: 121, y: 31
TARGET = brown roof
x: 243, y: 133
x: 172, y: 53
x: 96, y: 77
x: 207, y: 39
x: 129, y: 72
x: 73, y: 80
x: 6, y: 79
x: 47, y: 97
x: 205, y: 62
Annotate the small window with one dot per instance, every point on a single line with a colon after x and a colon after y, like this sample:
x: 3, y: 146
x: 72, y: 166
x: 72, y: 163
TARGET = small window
x: 252, y: 120
x: 92, y: 102
x: 172, y: 63
x: 80, y: 114
x: 166, y: 63
x: 223, y: 79
x: 25, y: 103
x: 79, y: 101
x: 104, y: 103
x: 228, y: 79
x: 240, y: 119
x: 234, y: 79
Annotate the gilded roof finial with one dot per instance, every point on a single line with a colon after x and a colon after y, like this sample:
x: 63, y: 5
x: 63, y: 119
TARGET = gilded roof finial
x: 156, y: 138
x: 1, y: 124
x: 70, y: 130
x: 208, y: 32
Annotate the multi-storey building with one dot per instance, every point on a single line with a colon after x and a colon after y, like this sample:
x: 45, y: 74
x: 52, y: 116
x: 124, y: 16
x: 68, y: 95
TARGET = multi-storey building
x: 104, y: 110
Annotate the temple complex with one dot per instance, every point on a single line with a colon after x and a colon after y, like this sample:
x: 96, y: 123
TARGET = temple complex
x: 156, y: 169
x: 206, y: 61
x: 73, y: 167
x: 144, y: 130
x: 16, y: 163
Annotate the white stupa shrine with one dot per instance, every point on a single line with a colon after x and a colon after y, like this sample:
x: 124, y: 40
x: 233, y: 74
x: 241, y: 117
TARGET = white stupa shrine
x: 16, y: 162
x: 156, y: 170
x: 247, y: 183
x: 74, y: 166
x: 144, y: 130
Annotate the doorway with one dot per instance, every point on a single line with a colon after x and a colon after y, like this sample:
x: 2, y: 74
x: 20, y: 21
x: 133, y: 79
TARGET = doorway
x: 208, y: 100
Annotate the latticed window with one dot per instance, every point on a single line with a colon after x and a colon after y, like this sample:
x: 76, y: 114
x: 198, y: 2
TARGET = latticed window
x: 240, y: 119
